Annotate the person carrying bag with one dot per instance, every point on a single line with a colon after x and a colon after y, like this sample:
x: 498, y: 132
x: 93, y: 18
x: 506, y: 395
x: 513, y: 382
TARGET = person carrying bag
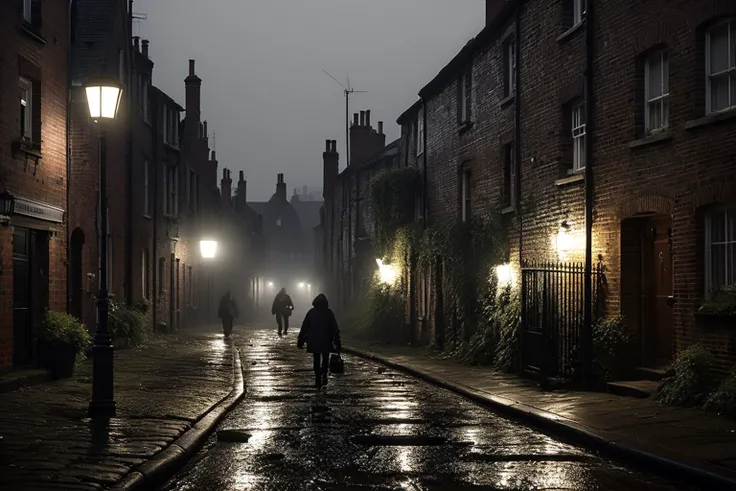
x: 322, y: 336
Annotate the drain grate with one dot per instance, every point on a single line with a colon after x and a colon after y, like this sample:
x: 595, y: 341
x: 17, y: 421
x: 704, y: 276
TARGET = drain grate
x: 397, y: 440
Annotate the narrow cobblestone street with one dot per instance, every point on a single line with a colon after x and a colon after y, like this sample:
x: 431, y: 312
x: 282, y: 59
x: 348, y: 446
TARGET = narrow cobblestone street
x: 48, y: 442
x: 375, y: 428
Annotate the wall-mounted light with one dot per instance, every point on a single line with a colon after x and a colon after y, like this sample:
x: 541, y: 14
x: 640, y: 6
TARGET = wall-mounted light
x: 387, y: 272
x: 7, y: 207
x: 505, y: 275
x: 564, y: 241
x: 208, y: 248
x: 301, y: 285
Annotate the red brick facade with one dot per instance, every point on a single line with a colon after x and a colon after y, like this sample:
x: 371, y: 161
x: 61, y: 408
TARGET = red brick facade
x: 33, y: 71
x: 653, y: 187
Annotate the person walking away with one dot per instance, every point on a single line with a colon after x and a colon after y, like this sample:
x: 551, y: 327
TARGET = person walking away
x: 322, y: 336
x: 228, y: 312
x: 282, y: 308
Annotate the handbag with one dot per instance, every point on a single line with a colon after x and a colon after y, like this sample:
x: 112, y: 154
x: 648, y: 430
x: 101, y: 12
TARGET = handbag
x: 336, y: 364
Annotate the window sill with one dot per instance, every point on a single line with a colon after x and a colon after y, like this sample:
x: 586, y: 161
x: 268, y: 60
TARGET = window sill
x: 571, y: 179
x: 507, y: 100
x: 712, y: 118
x: 32, y: 32
x: 570, y: 32
x: 464, y: 127
x: 19, y: 146
x: 663, y: 136
x: 146, y: 215
x: 508, y: 210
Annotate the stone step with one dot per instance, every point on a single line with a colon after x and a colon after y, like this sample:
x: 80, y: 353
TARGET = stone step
x: 633, y: 388
x: 654, y: 374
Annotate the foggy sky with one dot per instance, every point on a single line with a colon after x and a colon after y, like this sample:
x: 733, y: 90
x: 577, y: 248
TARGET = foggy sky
x: 264, y: 93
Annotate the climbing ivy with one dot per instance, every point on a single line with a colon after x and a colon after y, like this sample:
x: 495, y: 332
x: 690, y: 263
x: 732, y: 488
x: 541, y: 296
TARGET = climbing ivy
x: 392, y: 198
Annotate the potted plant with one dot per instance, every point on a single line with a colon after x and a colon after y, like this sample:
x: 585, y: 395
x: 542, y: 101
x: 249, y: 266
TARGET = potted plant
x: 61, y: 338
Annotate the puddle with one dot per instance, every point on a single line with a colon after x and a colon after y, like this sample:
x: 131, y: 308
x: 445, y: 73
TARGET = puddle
x: 397, y: 440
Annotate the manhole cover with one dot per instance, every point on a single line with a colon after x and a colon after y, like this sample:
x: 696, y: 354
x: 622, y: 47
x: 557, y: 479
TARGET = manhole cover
x: 397, y: 440
x: 233, y: 436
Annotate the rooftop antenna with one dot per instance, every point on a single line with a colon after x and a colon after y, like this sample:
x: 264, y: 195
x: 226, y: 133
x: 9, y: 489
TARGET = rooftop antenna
x: 347, y: 91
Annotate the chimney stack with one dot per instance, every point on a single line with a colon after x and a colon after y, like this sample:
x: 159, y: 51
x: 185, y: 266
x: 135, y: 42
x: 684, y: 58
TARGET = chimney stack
x: 362, y: 118
x: 493, y: 8
x: 368, y: 117
x: 240, y: 199
x: 380, y: 127
x: 193, y: 103
x: 144, y: 44
x: 226, y: 186
x: 280, y: 188
x: 136, y: 43
x: 355, y: 119
x: 330, y: 168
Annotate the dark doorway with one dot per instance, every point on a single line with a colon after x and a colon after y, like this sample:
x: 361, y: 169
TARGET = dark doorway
x: 76, y: 274
x: 647, y: 285
x: 30, y: 290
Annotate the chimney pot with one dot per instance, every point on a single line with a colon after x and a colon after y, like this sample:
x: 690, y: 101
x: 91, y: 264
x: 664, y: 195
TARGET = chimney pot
x: 368, y: 117
x: 144, y: 43
x: 214, y: 155
x: 355, y: 119
x: 380, y: 127
x: 362, y: 118
x: 334, y: 146
x: 224, y: 174
x: 191, y: 67
x: 242, y: 178
x: 204, y: 130
x: 136, y: 43
x: 328, y: 145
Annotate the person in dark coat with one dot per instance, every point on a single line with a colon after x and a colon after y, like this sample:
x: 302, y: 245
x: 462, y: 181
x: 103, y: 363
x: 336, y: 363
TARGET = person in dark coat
x: 282, y: 308
x: 322, y: 337
x: 227, y: 312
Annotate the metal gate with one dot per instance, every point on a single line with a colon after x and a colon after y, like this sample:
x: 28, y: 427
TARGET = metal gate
x: 553, y: 317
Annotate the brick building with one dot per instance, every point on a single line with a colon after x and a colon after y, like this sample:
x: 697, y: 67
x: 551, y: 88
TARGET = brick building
x: 636, y: 100
x: 33, y: 168
x: 347, y: 259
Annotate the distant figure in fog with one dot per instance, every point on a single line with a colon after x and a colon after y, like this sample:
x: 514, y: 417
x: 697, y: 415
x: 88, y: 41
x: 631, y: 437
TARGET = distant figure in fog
x: 228, y: 312
x: 282, y: 308
x: 322, y: 336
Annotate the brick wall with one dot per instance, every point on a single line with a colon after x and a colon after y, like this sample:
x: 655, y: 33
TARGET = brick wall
x: 41, y: 56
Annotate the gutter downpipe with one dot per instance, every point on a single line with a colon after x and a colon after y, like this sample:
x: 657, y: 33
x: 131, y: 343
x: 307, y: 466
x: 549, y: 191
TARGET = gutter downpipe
x: 587, y: 336
x: 424, y: 165
x: 129, y: 162
x: 153, y: 254
x: 69, y: 50
x: 517, y: 145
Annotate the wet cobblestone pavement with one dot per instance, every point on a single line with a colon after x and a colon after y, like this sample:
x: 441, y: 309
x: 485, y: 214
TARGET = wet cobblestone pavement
x: 47, y: 441
x: 375, y: 428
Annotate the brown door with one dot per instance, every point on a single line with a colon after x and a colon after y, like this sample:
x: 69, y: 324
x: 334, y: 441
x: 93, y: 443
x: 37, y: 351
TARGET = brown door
x: 657, y: 294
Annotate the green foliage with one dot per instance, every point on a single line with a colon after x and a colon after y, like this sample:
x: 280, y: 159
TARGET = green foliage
x: 612, y: 350
x: 378, y: 317
x: 723, y: 400
x: 392, y: 198
x: 127, y: 323
x: 692, y: 380
x: 724, y: 303
x: 62, y: 328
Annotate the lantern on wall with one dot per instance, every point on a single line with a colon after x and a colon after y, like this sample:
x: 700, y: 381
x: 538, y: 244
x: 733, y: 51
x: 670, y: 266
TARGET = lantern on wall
x: 7, y: 206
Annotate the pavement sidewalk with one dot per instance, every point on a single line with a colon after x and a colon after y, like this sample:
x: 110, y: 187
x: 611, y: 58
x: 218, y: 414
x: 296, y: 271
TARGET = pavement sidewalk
x: 170, y: 394
x: 678, y: 442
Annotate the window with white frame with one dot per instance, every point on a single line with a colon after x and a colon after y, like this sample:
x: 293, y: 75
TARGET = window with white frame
x: 657, y: 91
x: 578, y: 137
x: 171, y: 126
x: 720, y: 250
x: 465, y: 196
x: 465, y: 97
x: 720, y: 66
x: 509, y: 66
x: 146, y: 188
x: 420, y: 131
x: 26, y: 109
x: 579, y: 8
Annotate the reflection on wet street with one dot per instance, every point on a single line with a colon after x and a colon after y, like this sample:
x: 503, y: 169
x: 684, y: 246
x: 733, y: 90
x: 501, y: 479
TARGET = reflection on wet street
x: 376, y: 428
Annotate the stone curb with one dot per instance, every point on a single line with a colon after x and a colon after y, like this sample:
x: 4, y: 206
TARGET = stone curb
x: 164, y: 464
x: 667, y: 463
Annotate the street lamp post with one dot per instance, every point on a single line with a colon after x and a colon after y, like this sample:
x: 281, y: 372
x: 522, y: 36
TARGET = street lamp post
x: 208, y: 250
x: 103, y: 100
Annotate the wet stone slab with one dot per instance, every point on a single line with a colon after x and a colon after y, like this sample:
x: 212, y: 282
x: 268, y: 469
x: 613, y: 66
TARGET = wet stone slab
x: 378, y: 429
x: 47, y: 440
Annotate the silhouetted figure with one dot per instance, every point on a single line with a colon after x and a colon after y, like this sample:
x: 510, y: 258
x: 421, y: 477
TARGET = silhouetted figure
x: 228, y: 311
x: 282, y: 308
x: 322, y: 336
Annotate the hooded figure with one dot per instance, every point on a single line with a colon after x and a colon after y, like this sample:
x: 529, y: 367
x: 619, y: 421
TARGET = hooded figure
x: 282, y: 308
x: 321, y: 335
x: 227, y: 312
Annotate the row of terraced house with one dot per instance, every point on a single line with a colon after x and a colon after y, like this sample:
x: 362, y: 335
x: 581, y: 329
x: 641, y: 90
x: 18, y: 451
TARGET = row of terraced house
x: 162, y: 178
x: 609, y: 120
